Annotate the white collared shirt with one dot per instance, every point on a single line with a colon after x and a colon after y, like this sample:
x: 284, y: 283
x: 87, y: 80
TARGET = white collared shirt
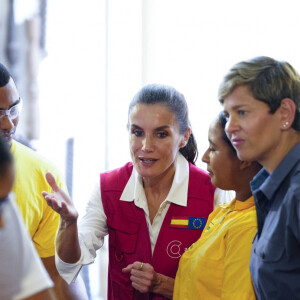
x: 93, y: 227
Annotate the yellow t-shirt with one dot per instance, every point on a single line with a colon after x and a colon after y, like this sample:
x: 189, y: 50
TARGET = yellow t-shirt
x: 217, y: 265
x: 40, y: 220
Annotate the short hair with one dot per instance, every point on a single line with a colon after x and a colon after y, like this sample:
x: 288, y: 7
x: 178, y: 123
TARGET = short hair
x: 4, y: 76
x: 222, y: 120
x: 269, y: 81
x: 5, y: 156
x: 168, y: 96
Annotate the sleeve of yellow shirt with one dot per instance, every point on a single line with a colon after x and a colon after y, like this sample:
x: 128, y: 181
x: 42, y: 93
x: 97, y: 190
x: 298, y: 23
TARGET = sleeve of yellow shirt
x: 40, y: 220
x: 237, y: 281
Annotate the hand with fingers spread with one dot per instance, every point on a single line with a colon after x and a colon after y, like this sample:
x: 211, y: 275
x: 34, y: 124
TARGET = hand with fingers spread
x: 59, y: 201
x: 67, y: 244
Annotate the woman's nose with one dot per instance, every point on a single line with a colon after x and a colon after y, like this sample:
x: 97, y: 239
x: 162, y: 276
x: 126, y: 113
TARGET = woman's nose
x: 205, y: 156
x: 147, y: 144
x: 231, y: 125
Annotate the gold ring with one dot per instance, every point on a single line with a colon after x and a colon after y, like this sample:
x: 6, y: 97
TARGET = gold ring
x: 141, y: 266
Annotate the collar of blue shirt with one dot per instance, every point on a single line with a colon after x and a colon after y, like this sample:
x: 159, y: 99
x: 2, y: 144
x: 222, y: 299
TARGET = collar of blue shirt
x: 269, y: 183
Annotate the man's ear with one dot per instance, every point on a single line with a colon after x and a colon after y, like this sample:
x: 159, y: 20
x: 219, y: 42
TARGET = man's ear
x: 245, y: 164
x: 287, y: 113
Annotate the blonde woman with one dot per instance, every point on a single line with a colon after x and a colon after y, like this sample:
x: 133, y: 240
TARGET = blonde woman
x: 261, y: 98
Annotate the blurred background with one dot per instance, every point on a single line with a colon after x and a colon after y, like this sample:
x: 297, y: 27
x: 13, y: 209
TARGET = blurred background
x: 78, y: 64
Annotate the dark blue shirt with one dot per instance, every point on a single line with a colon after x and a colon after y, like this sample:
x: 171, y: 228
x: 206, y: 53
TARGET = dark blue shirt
x: 275, y: 256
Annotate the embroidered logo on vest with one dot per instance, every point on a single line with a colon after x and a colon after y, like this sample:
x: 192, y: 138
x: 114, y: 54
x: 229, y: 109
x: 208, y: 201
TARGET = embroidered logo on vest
x: 173, y: 249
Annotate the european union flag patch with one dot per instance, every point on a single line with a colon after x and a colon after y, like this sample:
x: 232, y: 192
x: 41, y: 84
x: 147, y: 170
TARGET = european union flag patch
x: 196, y: 223
x: 188, y: 222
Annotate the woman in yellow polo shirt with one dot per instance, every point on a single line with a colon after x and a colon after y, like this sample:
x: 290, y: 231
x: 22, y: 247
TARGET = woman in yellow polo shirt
x: 217, y: 265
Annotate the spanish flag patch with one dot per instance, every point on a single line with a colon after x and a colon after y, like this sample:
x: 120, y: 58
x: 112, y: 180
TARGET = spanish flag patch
x: 188, y: 222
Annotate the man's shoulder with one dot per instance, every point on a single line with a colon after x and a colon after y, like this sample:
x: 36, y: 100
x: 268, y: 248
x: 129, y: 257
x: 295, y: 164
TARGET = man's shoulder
x: 22, y: 152
x: 27, y: 158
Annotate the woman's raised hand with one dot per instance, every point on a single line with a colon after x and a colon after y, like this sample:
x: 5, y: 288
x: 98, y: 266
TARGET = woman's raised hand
x: 60, y: 202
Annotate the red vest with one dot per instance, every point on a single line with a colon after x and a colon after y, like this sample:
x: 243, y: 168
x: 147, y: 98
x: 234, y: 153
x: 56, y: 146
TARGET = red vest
x: 129, y: 239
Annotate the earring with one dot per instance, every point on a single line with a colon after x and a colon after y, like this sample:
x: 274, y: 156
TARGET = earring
x: 285, y: 124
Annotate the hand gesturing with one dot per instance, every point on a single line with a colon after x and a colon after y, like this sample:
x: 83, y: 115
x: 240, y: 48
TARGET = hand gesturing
x: 59, y: 201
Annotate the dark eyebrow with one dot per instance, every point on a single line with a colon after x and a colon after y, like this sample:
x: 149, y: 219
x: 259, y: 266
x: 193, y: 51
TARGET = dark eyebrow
x: 162, y: 127
x: 135, y: 126
x: 15, y: 103
x: 157, y: 129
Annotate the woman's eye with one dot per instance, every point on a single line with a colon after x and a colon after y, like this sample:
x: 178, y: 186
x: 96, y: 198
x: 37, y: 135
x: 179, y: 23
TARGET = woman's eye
x: 137, y: 132
x: 241, y: 112
x: 211, y: 149
x: 162, y: 134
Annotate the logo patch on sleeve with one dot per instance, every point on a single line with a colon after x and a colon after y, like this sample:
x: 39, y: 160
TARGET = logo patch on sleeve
x: 188, y: 222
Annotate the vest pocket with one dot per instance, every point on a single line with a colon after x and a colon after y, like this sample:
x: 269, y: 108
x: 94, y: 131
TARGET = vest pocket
x: 122, y: 235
